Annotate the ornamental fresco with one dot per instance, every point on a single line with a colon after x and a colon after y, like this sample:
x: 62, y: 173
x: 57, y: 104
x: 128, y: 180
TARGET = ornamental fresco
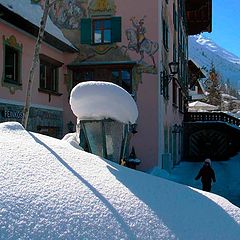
x: 138, y: 42
x: 101, y: 7
x: 67, y: 15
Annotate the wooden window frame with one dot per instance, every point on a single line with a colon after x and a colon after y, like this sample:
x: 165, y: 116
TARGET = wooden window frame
x: 165, y: 35
x: 93, y: 70
x: 174, y: 93
x: 10, y: 46
x: 121, y: 80
x: 51, y: 69
x: 102, y: 29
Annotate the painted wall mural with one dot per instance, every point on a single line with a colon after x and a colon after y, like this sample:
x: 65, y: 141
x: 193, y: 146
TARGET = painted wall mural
x: 67, y: 15
x: 139, y: 43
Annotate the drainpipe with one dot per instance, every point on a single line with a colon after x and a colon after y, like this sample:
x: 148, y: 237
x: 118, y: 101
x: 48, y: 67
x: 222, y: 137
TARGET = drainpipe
x: 160, y: 97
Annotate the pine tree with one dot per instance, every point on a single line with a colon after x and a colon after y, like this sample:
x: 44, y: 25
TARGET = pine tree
x: 214, y: 96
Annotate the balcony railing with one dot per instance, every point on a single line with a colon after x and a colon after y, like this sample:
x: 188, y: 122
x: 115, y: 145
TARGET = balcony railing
x: 211, y: 117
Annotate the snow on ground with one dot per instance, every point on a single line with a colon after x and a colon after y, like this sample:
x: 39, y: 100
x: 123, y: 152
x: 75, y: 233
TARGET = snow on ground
x: 227, y: 177
x: 51, y: 190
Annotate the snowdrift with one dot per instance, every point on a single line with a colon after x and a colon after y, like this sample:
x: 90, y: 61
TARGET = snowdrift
x: 51, y: 190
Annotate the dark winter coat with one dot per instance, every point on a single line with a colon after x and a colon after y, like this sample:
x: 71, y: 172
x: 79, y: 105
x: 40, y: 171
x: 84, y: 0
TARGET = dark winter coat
x: 206, y: 174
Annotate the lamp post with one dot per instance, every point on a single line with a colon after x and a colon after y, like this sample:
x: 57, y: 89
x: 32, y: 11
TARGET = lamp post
x: 106, y: 138
x: 173, y: 67
x: 165, y: 79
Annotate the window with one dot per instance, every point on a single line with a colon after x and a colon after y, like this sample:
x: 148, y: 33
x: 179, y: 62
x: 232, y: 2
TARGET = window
x: 164, y: 87
x: 100, y: 31
x: 175, y: 18
x: 48, y: 76
x: 165, y: 35
x: 175, y: 58
x: 123, y: 78
x: 180, y: 100
x: 174, y: 93
x: 83, y: 75
x: 118, y: 74
x: 12, y: 65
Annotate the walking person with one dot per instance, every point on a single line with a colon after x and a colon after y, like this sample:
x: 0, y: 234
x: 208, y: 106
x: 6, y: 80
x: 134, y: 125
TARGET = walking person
x: 207, y: 175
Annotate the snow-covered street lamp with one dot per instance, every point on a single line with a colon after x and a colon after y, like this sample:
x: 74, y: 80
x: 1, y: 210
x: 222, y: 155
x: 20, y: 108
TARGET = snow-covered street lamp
x: 106, y: 114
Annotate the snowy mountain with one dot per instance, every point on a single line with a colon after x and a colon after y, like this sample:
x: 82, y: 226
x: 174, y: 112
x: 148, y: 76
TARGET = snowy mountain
x: 205, y: 52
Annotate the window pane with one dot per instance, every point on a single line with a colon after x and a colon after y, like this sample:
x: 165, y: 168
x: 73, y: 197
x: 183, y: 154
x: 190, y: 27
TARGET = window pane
x: 11, y: 64
x: 113, y: 131
x: 126, y: 80
x: 95, y: 137
x: 97, y: 36
x: 116, y: 77
x: 42, y: 76
x: 87, y: 75
x: 98, y: 24
x: 107, y: 36
x: 126, y: 74
x: 107, y: 24
x: 48, y: 76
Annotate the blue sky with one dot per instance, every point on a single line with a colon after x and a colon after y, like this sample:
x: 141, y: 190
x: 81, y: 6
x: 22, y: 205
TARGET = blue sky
x: 226, y: 25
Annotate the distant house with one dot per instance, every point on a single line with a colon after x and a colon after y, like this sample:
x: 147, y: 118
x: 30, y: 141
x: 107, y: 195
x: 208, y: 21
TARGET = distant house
x: 197, y: 76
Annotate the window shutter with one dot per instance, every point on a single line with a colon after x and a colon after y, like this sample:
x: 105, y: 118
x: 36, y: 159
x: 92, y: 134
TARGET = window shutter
x: 116, y: 29
x: 86, y: 33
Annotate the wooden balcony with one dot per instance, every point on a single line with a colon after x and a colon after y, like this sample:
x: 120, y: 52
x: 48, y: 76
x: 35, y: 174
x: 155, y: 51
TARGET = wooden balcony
x: 199, y: 16
x: 214, y: 135
x: 211, y: 117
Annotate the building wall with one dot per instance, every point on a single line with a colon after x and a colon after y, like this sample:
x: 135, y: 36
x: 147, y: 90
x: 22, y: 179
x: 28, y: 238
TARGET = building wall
x: 157, y: 115
x: 48, y: 109
x: 146, y: 140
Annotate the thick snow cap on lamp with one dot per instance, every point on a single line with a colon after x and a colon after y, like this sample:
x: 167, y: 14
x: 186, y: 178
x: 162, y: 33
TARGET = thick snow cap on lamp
x: 95, y: 100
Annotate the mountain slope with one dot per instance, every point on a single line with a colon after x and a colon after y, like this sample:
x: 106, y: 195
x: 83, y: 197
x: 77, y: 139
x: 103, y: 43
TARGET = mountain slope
x: 204, y: 52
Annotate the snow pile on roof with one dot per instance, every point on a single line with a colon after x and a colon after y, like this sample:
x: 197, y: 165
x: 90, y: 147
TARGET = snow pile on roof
x: 102, y: 100
x: 227, y: 96
x: 50, y: 190
x: 198, y: 105
x: 33, y: 13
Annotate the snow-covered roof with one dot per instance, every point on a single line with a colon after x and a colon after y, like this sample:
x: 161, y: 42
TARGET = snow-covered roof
x: 95, y: 100
x: 51, y: 190
x: 227, y: 96
x: 33, y: 13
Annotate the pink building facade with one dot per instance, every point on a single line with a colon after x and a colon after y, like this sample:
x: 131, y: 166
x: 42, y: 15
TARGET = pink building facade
x: 130, y: 43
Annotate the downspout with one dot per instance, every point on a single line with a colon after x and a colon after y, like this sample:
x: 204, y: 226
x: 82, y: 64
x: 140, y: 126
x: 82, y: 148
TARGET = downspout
x: 160, y: 97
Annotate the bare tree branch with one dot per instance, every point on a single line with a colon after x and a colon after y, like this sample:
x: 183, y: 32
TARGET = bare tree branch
x: 35, y: 61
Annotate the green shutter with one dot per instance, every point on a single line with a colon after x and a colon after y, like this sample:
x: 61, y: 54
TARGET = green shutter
x: 86, y: 33
x: 116, y: 29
